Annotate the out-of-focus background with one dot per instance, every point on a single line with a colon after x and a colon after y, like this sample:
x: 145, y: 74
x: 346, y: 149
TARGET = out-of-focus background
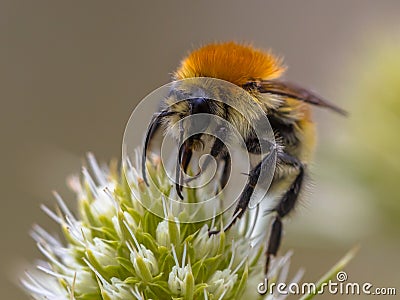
x: 72, y: 72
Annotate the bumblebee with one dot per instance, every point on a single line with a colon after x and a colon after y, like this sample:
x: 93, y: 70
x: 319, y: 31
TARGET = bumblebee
x: 286, y: 105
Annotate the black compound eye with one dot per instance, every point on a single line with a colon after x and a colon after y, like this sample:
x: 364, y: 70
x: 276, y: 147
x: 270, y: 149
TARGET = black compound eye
x: 199, y: 106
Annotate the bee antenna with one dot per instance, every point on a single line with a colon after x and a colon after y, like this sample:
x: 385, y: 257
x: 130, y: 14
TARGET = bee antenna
x: 153, y: 127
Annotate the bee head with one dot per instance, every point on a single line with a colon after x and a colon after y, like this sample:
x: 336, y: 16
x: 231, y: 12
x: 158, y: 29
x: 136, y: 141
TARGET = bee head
x: 195, y: 116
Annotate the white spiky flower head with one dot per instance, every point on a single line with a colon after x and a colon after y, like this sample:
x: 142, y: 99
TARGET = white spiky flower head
x: 116, y: 249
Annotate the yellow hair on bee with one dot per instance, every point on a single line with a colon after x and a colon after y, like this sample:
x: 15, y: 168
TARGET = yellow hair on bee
x: 232, y: 62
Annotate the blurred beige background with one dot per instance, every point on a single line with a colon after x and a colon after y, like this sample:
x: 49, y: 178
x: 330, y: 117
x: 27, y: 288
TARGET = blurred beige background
x: 72, y: 72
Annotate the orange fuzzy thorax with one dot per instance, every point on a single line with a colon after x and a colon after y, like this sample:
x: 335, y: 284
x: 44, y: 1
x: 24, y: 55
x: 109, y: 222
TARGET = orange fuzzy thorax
x: 232, y: 62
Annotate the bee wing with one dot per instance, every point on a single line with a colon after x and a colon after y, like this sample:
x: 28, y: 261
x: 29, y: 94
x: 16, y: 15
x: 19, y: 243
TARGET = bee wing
x: 294, y: 91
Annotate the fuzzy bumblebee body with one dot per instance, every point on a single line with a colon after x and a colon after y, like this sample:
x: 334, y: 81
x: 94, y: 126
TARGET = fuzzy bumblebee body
x: 286, y: 106
x: 232, y: 62
x: 248, y: 67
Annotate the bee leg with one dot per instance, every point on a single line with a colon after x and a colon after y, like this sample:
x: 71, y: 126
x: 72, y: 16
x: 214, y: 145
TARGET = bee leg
x: 285, y: 206
x: 274, y: 241
x: 243, y: 200
x: 184, y: 156
x: 218, y: 149
x: 226, y: 171
x: 245, y: 197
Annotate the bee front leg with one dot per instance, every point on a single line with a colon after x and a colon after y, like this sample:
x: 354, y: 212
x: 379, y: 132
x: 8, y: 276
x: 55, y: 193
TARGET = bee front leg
x: 218, y: 151
x: 226, y: 171
x: 245, y: 196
